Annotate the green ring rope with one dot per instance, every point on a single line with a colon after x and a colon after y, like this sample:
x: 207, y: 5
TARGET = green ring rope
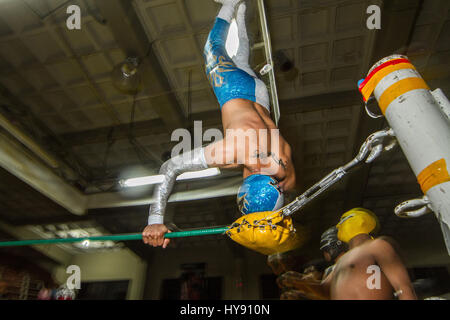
x: 118, y: 237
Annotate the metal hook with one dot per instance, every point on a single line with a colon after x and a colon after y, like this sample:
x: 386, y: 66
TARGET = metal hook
x: 370, y: 113
x: 404, y: 210
x: 374, y: 145
x: 370, y: 150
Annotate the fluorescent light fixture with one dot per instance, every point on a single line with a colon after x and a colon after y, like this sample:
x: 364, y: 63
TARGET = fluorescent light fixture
x: 199, y: 174
x: 142, y: 181
x: 157, y: 179
x: 232, y: 43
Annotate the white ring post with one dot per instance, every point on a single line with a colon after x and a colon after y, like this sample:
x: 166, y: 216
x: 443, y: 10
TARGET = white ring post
x: 421, y: 127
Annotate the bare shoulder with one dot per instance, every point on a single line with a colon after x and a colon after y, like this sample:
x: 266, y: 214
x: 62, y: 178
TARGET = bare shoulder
x: 385, y: 245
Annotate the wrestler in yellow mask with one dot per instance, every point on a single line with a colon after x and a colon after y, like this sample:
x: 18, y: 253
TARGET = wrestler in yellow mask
x: 356, y: 221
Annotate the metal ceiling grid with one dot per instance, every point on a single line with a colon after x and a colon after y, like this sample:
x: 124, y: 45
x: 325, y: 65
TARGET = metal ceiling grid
x: 178, y: 32
x: 326, y: 40
x: 329, y: 45
x: 322, y: 140
x: 430, y: 50
x: 63, y: 75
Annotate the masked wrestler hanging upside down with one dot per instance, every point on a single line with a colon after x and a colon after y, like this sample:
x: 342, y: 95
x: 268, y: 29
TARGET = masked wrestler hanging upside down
x: 244, y: 101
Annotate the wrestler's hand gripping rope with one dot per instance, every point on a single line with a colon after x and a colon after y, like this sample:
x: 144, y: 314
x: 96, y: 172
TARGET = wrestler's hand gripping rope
x: 369, y: 151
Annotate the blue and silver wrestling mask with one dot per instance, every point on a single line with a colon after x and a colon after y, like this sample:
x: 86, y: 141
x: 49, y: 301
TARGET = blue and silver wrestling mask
x: 259, y: 193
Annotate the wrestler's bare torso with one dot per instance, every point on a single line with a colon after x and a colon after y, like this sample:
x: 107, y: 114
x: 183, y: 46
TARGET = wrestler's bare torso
x: 351, y: 273
x: 354, y: 276
x: 241, y: 114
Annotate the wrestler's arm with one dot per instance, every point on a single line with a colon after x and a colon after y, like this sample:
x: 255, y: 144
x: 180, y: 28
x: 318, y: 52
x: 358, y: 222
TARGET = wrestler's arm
x: 222, y: 154
x: 315, y: 290
x: 154, y: 233
x: 392, y: 266
x: 219, y: 154
x: 325, y: 285
x: 283, y: 156
x: 289, y: 182
x: 311, y: 288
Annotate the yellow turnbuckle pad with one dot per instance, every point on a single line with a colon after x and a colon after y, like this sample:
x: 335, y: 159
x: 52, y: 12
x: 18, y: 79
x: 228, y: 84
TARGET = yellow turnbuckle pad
x: 267, y: 232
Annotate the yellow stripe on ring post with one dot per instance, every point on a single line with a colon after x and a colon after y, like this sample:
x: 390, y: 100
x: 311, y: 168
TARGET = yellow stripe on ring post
x: 436, y: 173
x: 373, y: 82
x: 399, y: 88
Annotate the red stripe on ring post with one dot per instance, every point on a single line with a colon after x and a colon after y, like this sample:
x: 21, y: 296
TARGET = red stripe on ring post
x: 382, y: 66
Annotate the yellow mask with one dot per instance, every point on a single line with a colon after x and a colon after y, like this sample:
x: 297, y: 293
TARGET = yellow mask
x: 267, y: 232
x: 356, y: 221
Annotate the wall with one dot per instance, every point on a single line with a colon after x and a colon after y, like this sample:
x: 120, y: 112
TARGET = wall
x: 424, y: 251
x: 220, y: 263
x: 107, y: 266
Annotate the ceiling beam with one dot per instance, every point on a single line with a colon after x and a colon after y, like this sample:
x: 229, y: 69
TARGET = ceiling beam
x: 16, y: 160
x: 15, y: 111
x: 124, y: 24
